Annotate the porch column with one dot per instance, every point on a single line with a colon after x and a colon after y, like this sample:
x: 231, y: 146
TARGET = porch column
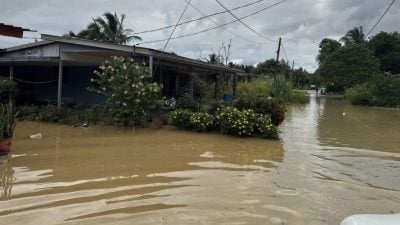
x: 151, y: 66
x: 177, y: 86
x: 11, y: 72
x: 234, y: 85
x: 217, y: 86
x: 190, y: 84
x: 60, y: 78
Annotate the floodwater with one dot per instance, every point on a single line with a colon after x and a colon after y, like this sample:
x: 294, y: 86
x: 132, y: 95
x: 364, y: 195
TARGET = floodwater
x: 333, y: 160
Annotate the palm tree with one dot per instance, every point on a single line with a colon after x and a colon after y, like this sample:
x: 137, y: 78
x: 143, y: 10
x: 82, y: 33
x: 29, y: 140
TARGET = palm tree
x: 110, y: 29
x: 354, y: 36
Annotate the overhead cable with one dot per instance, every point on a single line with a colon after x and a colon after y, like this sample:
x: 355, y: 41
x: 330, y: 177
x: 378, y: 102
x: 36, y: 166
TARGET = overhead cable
x: 197, y: 19
x: 244, y: 24
x: 179, y: 20
x: 216, y: 27
x: 376, y: 24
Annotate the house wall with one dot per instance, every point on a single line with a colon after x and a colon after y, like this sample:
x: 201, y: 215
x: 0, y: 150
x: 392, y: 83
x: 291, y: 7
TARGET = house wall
x: 51, y: 50
x: 75, y: 83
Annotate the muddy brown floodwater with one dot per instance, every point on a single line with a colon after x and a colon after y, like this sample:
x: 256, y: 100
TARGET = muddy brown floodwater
x: 333, y: 160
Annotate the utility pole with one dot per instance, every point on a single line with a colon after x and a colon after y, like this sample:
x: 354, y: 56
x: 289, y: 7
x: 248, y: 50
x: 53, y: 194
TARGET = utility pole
x: 277, y: 60
x: 279, y: 50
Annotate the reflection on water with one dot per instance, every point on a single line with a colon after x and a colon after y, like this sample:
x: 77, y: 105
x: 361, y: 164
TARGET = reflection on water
x: 6, y: 177
x: 334, y: 160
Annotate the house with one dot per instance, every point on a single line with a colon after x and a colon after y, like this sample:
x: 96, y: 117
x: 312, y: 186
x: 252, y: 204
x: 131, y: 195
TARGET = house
x: 59, y: 69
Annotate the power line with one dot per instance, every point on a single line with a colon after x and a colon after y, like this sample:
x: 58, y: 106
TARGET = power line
x: 197, y: 19
x: 213, y: 28
x: 284, y: 52
x: 376, y: 24
x: 166, y: 44
x: 213, y: 21
x: 244, y: 24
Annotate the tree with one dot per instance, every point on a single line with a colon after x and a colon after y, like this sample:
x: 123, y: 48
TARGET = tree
x: 272, y: 67
x: 326, y: 48
x: 386, y: 47
x: 354, y: 36
x: 129, y: 95
x: 348, y: 66
x: 110, y: 29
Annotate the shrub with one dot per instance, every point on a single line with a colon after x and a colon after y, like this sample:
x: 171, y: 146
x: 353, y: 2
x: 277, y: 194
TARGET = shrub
x: 264, y: 126
x: 8, y: 89
x: 201, y: 121
x: 51, y: 113
x: 28, y: 112
x: 297, y: 96
x: 282, y: 88
x: 236, y: 122
x: 180, y: 118
x: 188, y: 102
x: 7, y: 120
x: 263, y: 105
x: 383, y: 91
x: 129, y: 95
x: 228, y: 120
x: 254, y: 88
x: 359, y: 95
x: 91, y: 114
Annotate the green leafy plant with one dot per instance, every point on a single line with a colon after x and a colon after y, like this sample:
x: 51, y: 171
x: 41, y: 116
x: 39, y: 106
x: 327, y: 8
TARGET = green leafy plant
x: 7, y: 120
x: 202, y: 121
x: 299, y: 97
x: 181, y: 118
x: 129, y: 96
x: 263, y: 105
x: 264, y: 126
x: 28, y: 112
x: 254, y: 88
x: 91, y: 114
x: 8, y: 89
x: 236, y: 122
x: 51, y: 113
x: 188, y: 102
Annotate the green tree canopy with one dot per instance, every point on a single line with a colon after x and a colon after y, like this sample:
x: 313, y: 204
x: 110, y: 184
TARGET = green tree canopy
x: 354, y: 36
x: 386, y: 47
x: 272, y: 67
x: 326, y: 48
x: 348, y: 66
x: 108, y: 28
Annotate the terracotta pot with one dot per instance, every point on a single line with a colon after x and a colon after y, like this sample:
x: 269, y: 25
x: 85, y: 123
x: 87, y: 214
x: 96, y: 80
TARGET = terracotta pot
x: 5, y: 145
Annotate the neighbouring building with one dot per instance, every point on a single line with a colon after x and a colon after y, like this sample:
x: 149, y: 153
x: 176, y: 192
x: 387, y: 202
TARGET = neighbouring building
x: 58, y: 69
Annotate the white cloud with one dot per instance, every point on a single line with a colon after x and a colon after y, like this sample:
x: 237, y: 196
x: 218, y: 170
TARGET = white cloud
x: 302, y: 23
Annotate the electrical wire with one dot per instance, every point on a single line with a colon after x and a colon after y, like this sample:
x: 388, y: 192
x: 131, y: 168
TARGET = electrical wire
x: 244, y: 24
x: 376, y: 24
x: 34, y: 82
x: 179, y: 20
x: 197, y: 19
x: 225, y: 28
x: 213, y: 28
x: 284, y: 52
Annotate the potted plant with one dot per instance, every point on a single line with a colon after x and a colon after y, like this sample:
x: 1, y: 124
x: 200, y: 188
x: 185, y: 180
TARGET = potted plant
x: 7, y: 113
x: 7, y: 125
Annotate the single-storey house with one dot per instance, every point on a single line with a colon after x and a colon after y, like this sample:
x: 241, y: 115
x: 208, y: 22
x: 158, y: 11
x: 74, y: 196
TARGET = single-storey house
x: 59, y: 69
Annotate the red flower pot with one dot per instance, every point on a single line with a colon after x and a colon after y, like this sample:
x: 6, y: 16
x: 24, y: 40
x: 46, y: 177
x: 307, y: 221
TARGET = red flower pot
x: 5, y: 146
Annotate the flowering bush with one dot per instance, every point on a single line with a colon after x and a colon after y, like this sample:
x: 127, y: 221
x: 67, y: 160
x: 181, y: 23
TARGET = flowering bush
x: 129, y: 96
x: 263, y: 105
x: 202, y: 121
x: 181, y: 118
x: 228, y: 120
x: 236, y: 122
x: 264, y: 126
